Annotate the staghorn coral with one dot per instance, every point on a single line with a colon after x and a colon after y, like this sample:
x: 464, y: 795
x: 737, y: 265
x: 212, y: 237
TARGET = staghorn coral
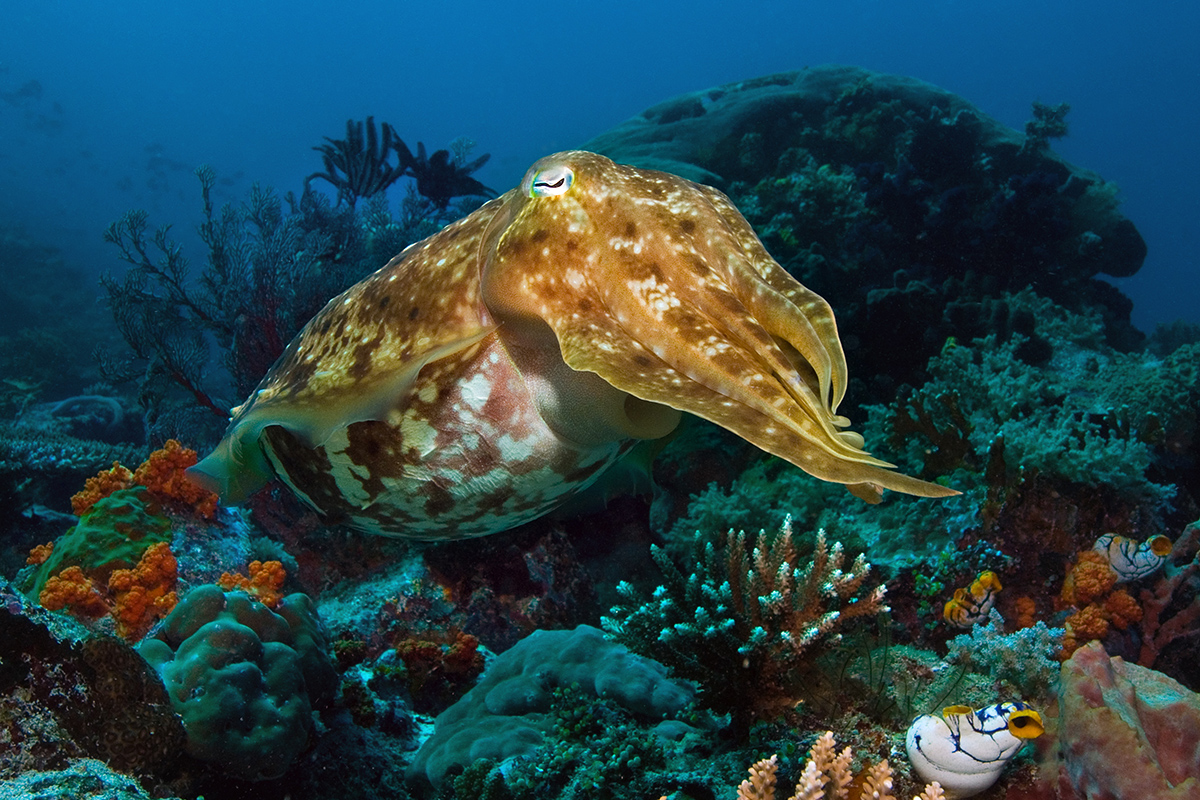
x: 827, y: 776
x: 747, y: 624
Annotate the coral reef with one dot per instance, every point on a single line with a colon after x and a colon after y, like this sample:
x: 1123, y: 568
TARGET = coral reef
x: 747, y: 624
x: 827, y: 774
x: 243, y: 678
x: 506, y: 713
x: 964, y: 261
x: 899, y: 202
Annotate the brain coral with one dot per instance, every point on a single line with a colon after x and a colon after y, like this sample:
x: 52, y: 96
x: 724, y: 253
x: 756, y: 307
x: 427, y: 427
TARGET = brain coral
x: 243, y: 677
x: 506, y: 714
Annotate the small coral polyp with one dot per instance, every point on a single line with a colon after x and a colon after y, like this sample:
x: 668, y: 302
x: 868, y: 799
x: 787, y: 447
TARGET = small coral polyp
x: 964, y: 749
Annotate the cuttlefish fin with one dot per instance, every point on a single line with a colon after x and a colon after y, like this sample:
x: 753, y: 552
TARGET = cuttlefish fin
x: 238, y: 467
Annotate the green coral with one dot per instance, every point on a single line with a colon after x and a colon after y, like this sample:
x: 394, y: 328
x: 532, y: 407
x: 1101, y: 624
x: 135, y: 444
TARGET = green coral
x: 1086, y: 414
x: 113, y: 534
x: 244, y: 678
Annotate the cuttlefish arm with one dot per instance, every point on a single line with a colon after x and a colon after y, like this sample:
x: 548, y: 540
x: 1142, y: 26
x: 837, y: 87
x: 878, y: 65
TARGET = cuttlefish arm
x: 661, y: 288
x: 359, y: 357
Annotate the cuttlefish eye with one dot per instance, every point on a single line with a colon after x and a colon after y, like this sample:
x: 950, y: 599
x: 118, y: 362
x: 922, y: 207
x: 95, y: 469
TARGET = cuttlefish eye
x: 551, y: 181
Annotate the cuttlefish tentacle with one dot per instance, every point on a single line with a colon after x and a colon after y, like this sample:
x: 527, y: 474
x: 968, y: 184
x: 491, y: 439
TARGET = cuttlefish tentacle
x: 812, y: 331
x: 487, y: 373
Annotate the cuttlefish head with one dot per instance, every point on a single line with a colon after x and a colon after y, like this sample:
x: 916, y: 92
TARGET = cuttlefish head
x: 661, y: 289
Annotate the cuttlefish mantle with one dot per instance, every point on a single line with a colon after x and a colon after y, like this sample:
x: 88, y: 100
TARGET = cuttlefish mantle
x: 490, y: 372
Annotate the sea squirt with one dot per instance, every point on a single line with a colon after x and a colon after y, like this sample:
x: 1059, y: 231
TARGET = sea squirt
x: 491, y: 371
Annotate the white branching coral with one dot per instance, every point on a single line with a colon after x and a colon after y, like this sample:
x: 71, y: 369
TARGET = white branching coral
x: 748, y: 621
x: 827, y: 776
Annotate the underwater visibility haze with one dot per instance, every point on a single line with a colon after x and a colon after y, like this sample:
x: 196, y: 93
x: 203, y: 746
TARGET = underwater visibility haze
x: 649, y: 400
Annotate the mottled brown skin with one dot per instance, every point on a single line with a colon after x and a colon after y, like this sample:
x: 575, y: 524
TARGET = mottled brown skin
x: 491, y: 371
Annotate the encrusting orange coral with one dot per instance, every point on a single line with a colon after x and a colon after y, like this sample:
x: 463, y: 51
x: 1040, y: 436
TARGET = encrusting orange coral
x: 162, y: 473
x: 100, y: 486
x: 145, y: 593
x: 39, y: 554
x: 1088, y: 580
x: 265, y: 582
x: 135, y: 598
x: 1090, y: 587
x: 75, y: 592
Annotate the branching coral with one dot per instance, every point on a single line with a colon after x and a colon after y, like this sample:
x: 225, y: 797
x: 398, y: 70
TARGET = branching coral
x: 748, y: 622
x: 827, y: 776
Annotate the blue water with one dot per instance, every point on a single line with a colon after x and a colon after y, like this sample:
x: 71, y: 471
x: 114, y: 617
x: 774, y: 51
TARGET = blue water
x: 131, y: 96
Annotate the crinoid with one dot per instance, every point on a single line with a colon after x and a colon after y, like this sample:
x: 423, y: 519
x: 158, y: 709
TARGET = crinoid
x: 358, y: 165
x: 440, y: 176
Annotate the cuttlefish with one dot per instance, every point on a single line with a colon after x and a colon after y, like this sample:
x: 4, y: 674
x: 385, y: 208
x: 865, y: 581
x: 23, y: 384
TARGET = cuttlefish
x: 495, y: 369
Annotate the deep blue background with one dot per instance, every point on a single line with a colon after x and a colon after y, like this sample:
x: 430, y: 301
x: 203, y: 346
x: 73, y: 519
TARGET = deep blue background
x: 136, y: 94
